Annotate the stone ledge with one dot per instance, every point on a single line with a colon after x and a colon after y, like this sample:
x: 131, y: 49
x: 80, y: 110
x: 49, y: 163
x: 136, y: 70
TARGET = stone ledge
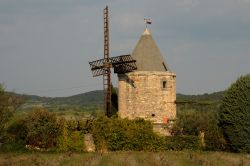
x: 142, y: 73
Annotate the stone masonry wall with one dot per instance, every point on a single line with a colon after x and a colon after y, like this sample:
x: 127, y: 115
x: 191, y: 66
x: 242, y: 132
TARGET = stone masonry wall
x: 148, y: 95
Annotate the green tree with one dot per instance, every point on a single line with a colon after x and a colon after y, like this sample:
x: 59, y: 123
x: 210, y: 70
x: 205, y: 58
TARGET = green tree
x: 114, y: 101
x: 1, y: 89
x: 8, y: 104
x: 5, y: 113
x: 192, y: 122
x: 234, y: 115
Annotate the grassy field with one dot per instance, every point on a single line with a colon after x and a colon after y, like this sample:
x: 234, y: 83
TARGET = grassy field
x: 127, y: 159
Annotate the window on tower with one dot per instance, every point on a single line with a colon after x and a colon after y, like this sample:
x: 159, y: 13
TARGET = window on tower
x: 164, y: 84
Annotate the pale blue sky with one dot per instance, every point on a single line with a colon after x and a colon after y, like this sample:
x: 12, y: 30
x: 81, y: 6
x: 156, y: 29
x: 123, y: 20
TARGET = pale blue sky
x: 45, y: 45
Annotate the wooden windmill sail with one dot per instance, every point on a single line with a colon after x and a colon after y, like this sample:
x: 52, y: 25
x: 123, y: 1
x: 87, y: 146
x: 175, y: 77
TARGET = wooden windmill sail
x: 121, y: 64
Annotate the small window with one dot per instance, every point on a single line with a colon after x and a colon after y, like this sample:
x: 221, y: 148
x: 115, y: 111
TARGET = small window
x: 164, y: 84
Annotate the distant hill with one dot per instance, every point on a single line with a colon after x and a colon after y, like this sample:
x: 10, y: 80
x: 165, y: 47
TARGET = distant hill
x: 96, y: 98
x: 202, y: 102
x: 213, y: 97
x: 85, y: 99
x: 88, y: 98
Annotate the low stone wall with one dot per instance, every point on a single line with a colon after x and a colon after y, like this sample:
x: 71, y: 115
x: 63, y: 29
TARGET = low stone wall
x: 89, y: 143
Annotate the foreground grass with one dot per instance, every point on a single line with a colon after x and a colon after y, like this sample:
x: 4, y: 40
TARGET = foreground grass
x: 126, y: 159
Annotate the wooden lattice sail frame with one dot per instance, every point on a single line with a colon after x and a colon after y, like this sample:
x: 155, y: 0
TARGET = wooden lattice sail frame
x: 121, y: 64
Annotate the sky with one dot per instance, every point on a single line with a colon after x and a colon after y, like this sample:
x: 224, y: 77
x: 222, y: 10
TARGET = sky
x: 45, y: 45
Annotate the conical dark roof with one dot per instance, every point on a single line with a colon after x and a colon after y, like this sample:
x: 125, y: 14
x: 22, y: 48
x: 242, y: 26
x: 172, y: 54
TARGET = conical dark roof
x: 147, y: 55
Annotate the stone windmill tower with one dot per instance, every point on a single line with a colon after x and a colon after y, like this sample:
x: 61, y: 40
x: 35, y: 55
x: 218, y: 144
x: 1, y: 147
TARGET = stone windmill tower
x: 150, y: 91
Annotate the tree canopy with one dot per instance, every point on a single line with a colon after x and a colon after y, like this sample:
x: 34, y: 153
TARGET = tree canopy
x: 8, y: 104
x: 234, y: 115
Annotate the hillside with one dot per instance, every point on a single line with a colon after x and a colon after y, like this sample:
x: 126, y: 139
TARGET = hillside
x: 88, y: 98
x: 85, y: 99
x: 96, y: 98
x: 212, y: 97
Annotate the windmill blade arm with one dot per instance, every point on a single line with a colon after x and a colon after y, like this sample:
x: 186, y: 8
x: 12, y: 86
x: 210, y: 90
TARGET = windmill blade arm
x: 123, y: 64
x: 98, y: 68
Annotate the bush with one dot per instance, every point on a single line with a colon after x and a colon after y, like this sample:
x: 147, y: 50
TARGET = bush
x: 42, y: 129
x: 234, y: 115
x: 183, y: 142
x: 5, y: 116
x: 71, y: 136
x: 17, y: 130
x: 16, y: 133
x: 123, y: 134
x: 137, y: 135
x: 191, y: 122
x: 13, y: 146
x: 8, y: 105
x: 214, y: 138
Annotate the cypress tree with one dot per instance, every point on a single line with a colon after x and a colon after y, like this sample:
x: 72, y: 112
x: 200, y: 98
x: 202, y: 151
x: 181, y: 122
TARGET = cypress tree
x: 234, y: 115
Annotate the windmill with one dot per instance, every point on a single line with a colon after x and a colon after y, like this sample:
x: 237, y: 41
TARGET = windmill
x: 121, y: 64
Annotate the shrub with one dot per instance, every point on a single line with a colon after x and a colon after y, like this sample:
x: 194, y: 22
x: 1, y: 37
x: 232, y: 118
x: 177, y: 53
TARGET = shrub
x: 191, y: 122
x: 5, y: 115
x: 8, y: 105
x: 15, y: 137
x: 214, y: 138
x: 123, y: 134
x: 183, y: 142
x: 13, y: 146
x: 71, y: 136
x: 17, y: 130
x: 234, y: 115
x: 42, y: 129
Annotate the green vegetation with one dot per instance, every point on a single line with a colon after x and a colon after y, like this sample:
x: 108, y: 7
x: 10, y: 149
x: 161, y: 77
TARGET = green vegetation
x: 114, y: 101
x: 93, y: 98
x: 41, y: 128
x: 36, y: 129
x: 234, y: 115
x: 117, y: 134
x: 71, y: 136
x: 45, y: 131
x: 8, y: 104
x: 59, y: 124
x: 193, y: 122
x: 123, y: 134
x: 213, y: 97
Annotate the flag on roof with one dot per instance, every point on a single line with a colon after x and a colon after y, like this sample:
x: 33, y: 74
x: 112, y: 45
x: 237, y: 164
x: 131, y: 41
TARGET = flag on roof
x: 148, y: 21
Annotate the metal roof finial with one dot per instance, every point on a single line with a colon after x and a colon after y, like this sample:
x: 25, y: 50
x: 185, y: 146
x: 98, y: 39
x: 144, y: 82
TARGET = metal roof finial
x: 147, y: 21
